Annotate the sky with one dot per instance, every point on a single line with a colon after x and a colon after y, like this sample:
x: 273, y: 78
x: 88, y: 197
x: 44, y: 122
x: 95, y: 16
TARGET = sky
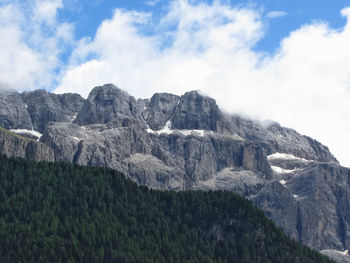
x: 287, y: 61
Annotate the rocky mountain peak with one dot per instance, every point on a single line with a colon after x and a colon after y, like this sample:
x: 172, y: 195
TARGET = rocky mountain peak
x: 108, y: 103
x: 160, y: 109
x: 196, y: 111
x: 13, y: 111
x: 44, y: 107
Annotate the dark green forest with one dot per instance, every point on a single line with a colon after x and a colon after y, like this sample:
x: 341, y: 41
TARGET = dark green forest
x: 60, y: 212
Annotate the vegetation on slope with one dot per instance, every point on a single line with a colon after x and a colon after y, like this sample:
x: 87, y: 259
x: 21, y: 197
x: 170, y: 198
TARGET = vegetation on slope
x: 59, y: 212
x: 2, y: 129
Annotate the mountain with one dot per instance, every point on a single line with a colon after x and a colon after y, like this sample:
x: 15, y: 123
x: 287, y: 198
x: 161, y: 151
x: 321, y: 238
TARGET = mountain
x: 61, y: 212
x: 186, y: 142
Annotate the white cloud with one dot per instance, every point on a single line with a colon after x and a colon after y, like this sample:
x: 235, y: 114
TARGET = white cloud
x: 205, y: 36
x: 305, y: 85
x: 31, y: 40
x: 151, y: 2
x: 45, y: 10
x: 276, y: 14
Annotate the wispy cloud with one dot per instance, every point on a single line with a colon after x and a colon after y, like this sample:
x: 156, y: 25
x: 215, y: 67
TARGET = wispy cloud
x: 151, y: 2
x: 276, y: 14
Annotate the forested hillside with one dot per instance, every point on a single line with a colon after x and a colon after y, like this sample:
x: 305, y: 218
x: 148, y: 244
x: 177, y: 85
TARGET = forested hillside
x: 60, y: 212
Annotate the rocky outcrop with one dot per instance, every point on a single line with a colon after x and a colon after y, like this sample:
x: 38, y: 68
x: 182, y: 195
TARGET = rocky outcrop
x: 13, y: 111
x: 275, y: 138
x: 199, y: 112
x: 321, y: 191
x: 44, y: 107
x: 308, y: 199
x: 160, y: 109
x: 12, y: 144
x: 108, y: 104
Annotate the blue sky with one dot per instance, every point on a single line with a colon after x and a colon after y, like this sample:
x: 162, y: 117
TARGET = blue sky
x: 287, y: 61
x: 88, y: 15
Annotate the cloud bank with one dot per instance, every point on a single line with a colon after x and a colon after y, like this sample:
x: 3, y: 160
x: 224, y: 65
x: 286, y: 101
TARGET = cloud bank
x: 305, y: 84
x: 31, y: 41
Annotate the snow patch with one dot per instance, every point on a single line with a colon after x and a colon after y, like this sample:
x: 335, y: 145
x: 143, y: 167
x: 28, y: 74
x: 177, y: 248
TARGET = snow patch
x: 25, y: 131
x: 192, y: 132
x: 74, y: 117
x: 298, y: 197
x: 167, y: 130
x: 285, y: 156
x: 345, y: 252
x: 25, y: 104
x: 76, y: 138
x: 280, y: 170
x: 283, y: 182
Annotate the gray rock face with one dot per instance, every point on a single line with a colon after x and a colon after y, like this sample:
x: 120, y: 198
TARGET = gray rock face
x: 106, y: 104
x: 15, y: 145
x: 13, y: 111
x: 180, y: 143
x: 183, y: 161
x: 321, y: 191
x: 275, y: 138
x: 308, y: 199
x: 160, y: 109
x: 198, y: 112
x: 45, y: 107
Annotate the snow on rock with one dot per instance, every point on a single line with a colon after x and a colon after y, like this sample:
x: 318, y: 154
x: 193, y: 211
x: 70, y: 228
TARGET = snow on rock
x: 298, y: 197
x: 283, y: 182
x: 192, y: 132
x: 74, y: 117
x: 31, y: 132
x: 345, y: 252
x: 280, y: 170
x: 285, y: 156
x: 337, y: 255
x: 167, y: 130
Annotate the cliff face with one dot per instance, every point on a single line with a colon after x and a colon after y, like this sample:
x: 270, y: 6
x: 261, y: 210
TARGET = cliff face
x: 13, y: 111
x: 44, y: 107
x: 15, y: 145
x: 186, y: 142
